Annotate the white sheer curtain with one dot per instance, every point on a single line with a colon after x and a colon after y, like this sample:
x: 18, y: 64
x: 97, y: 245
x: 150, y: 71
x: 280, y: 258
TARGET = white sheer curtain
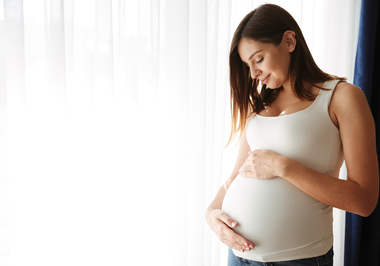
x: 114, y: 115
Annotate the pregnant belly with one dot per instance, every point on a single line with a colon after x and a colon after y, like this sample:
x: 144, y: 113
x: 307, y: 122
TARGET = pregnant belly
x: 275, y: 215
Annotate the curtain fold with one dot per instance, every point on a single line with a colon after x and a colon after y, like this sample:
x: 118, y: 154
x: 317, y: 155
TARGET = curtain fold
x: 113, y: 120
x: 362, y: 244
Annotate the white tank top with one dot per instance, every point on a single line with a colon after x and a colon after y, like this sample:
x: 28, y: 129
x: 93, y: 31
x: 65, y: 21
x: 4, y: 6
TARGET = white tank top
x: 282, y: 221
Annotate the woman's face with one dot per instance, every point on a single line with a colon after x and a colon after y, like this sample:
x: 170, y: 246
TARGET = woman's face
x: 266, y: 62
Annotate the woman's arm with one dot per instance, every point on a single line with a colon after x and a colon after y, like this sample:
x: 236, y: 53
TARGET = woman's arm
x: 218, y: 221
x: 359, y: 193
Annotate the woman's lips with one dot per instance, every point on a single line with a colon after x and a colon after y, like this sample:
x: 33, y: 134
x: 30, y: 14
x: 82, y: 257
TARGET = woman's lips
x: 264, y: 81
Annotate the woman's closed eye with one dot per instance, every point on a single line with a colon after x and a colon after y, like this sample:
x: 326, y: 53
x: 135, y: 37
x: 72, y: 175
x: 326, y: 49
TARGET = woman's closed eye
x: 260, y: 60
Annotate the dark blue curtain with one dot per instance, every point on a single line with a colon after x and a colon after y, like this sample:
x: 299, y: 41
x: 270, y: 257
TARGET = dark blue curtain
x: 362, y: 243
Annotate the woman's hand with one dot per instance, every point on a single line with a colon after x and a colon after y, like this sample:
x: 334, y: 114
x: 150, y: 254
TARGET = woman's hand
x: 262, y: 164
x: 221, y: 224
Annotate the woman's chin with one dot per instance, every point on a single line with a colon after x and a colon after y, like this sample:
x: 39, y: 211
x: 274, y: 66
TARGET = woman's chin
x: 273, y: 86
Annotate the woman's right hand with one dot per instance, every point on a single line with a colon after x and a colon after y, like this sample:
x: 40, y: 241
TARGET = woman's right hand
x: 221, y: 224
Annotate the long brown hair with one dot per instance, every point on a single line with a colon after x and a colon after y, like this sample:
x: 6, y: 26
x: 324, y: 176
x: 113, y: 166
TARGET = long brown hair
x: 267, y: 24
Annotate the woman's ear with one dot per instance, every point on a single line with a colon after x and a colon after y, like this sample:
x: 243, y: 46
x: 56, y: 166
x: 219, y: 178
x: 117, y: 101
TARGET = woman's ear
x: 290, y: 40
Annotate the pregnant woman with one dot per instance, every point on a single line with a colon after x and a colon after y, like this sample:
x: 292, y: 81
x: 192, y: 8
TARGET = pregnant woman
x: 297, y: 124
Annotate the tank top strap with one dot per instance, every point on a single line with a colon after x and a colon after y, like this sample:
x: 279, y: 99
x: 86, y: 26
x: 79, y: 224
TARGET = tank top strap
x: 325, y: 95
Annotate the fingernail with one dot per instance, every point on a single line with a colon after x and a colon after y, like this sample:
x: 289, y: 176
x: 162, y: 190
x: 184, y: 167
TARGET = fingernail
x: 233, y: 224
x: 251, y: 246
x: 242, y: 250
x: 247, y: 249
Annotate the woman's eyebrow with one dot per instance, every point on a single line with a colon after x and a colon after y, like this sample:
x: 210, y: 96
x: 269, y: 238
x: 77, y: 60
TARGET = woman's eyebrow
x: 254, y: 54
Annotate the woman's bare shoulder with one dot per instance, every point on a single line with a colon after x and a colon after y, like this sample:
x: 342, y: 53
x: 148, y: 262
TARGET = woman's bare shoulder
x: 348, y: 103
x: 345, y: 89
x: 347, y: 96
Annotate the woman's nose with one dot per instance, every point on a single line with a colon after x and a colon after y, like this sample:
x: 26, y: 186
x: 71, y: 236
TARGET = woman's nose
x: 254, y: 72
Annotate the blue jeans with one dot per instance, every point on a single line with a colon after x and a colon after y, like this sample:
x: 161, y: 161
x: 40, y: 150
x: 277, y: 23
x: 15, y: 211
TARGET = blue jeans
x: 325, y: 260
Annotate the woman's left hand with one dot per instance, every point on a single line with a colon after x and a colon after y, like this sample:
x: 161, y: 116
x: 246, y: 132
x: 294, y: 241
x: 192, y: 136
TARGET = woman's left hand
x: 262, y: 164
